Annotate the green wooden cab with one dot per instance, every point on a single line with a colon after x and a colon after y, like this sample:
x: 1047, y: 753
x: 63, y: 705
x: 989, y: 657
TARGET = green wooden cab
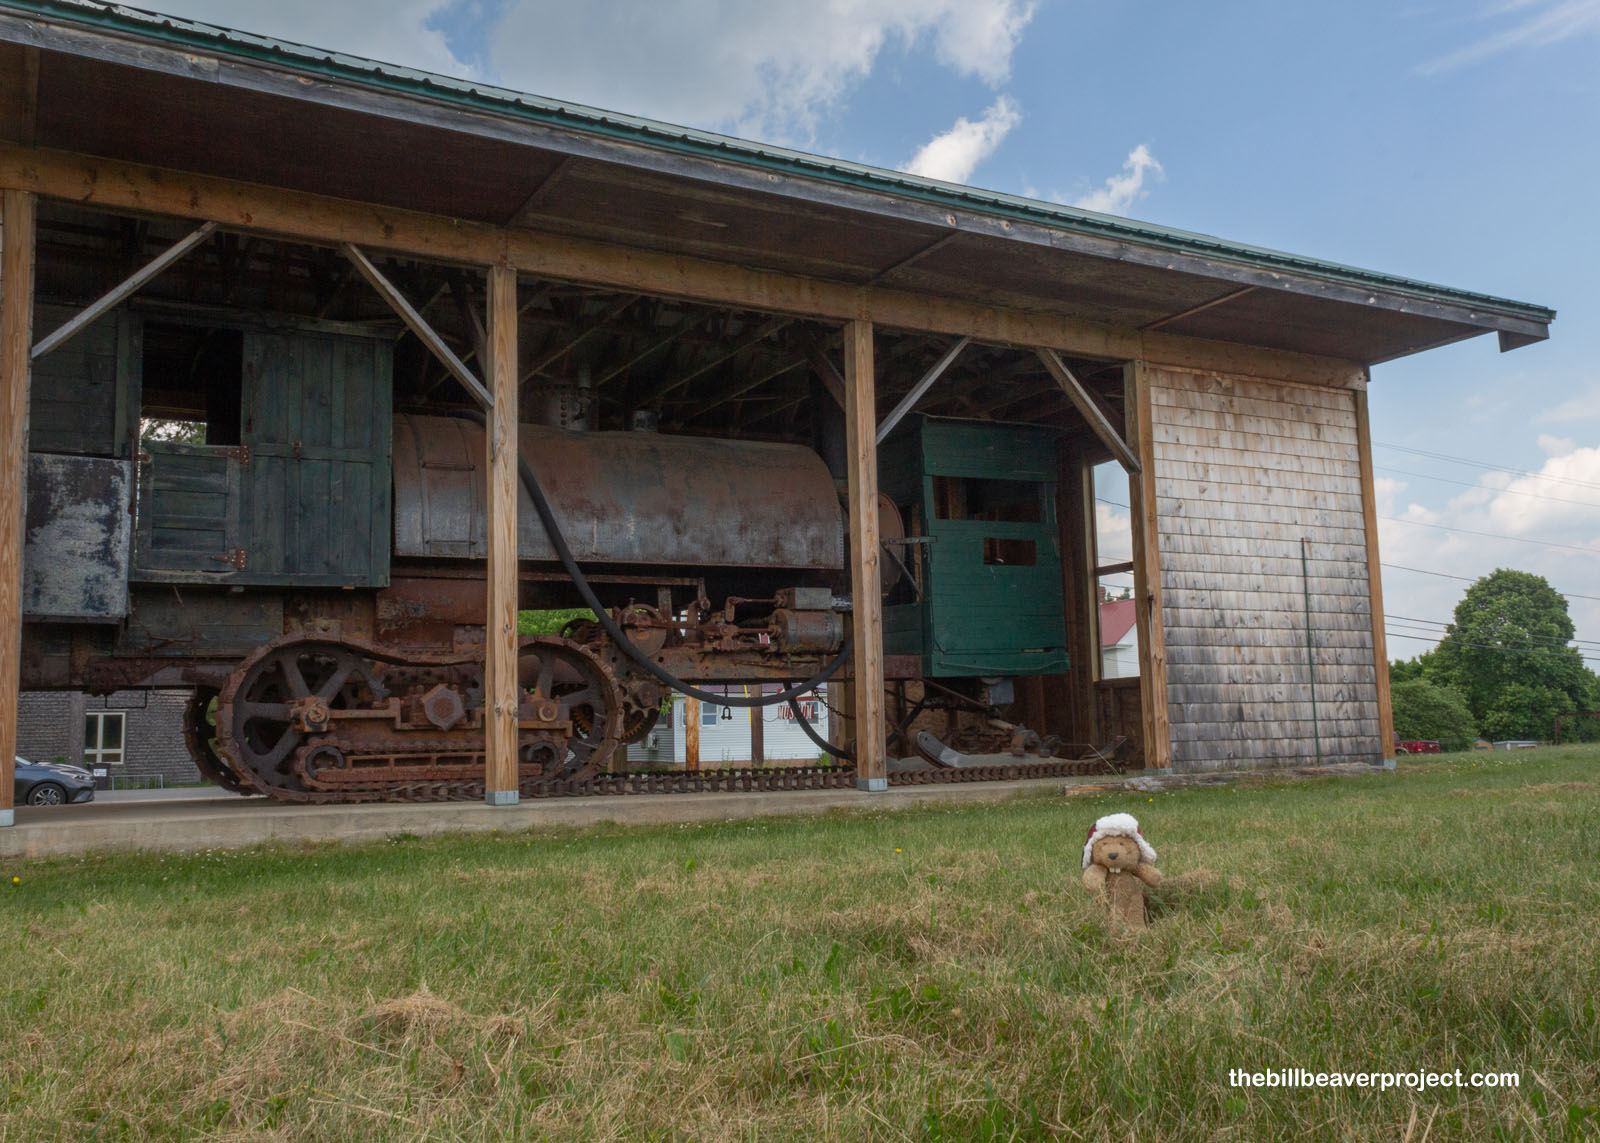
x: 291, y: 485
x: 985, y: 596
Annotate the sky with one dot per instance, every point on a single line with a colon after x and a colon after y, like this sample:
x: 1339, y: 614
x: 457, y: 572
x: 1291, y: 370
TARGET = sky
x: 1454, y: 141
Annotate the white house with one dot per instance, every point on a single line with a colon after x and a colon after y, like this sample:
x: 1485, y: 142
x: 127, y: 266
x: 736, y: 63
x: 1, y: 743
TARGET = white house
x: 725, y: 732
x: 1119, y: 639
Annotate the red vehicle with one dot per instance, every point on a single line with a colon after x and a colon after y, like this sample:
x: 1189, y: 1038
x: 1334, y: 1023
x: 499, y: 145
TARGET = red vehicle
x: 1415, y: 746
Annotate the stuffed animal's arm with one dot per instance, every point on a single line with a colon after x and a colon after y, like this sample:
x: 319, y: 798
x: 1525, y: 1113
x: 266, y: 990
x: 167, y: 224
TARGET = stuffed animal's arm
x: 1094, y: 878
x: 1149, y: 874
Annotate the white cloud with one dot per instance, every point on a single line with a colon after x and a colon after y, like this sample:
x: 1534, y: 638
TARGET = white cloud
x: 1556, y: 446
x: 1584, y: 407
x: 1123, y: 190
x: 1557, y: 508
x: 954, y: 154
x: 769, y: 69
x: 1540, y: 23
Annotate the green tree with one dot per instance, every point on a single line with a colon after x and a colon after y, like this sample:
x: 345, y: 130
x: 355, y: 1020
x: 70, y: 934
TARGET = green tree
x: 1429, y: 711
x: 1523, y: 711
x: 1511, y: 630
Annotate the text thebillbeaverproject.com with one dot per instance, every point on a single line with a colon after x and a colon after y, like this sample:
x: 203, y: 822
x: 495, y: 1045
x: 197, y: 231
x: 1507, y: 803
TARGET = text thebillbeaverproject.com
x: 1383, y: 1081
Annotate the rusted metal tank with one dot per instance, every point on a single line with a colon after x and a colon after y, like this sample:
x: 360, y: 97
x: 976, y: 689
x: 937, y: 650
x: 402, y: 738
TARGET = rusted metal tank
x: 622, y: 498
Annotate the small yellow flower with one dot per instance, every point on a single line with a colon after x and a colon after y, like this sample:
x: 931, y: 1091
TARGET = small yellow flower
x: 897, y: 849
x: 16, y: 881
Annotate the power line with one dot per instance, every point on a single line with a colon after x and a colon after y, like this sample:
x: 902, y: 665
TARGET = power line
x: 1472, y: 484
x: 1482, y: 646
x: 1549, y: 639
x: 1474, y: 579
x: 1113, y: 503
x: 1492, y: 535
x: 1486, y: 464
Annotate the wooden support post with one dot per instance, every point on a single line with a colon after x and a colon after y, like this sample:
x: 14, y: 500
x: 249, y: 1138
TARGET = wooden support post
x: 16, y: 343
x: 1380, y: 643
x: 860, y: 427
x: 758, y: 730
x: 691, y: 733
x: 1075, y: 513
x: 1147, y: 571
x: 500, y: 679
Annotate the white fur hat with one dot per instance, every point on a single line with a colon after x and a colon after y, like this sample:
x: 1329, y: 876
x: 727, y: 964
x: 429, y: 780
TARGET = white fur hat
x: 1117, y: 825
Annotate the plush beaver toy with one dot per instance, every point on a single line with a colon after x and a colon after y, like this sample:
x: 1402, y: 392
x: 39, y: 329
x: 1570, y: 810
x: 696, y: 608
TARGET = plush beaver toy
x: 1115, y: 861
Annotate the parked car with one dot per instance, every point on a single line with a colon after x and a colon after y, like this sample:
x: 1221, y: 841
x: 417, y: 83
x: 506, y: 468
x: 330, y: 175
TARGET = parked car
x: 51, y: 784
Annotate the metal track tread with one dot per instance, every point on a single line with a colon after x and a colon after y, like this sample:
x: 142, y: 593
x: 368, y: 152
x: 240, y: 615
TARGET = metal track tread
x: 727, y: 781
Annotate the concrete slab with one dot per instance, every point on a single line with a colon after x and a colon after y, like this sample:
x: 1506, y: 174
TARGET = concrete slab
x: 227, y: 821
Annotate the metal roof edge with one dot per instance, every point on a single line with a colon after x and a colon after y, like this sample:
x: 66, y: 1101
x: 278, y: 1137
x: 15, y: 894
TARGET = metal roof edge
x: 139, y: 23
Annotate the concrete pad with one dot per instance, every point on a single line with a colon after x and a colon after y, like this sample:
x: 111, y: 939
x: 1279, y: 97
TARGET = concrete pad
x: 227, y: 821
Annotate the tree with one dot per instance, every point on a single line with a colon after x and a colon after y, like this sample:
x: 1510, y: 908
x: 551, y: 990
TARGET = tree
x: 1524, y: 712
x: 1507, y: 654
x: 1428, y: 711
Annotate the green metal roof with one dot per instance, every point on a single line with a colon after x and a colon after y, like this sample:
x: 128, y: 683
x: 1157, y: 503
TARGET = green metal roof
x: 190, y: 34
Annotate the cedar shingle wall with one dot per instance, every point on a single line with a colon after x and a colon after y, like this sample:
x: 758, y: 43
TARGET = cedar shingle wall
x: 1245, y: 469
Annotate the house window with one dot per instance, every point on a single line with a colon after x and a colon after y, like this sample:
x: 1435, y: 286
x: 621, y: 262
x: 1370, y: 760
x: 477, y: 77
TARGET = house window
x: 708, y: 714
x: 102, y: 738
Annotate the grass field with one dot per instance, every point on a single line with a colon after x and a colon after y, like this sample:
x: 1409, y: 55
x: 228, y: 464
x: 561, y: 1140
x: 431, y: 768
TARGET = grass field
x: 936, y: 974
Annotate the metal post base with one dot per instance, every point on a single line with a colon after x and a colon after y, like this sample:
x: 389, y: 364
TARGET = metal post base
x: 8, y: 817
x: 1388, y: 763
x: 501, y: 797
x: 874, y: 785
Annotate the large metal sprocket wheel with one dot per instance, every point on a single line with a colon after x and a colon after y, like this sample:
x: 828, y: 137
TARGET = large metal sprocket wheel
x: 200, y: 736
x: 586, y: 695
x: 257, y: 715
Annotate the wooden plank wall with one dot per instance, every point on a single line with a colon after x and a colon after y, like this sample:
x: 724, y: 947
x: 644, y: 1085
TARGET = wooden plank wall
x: 1244, y: 470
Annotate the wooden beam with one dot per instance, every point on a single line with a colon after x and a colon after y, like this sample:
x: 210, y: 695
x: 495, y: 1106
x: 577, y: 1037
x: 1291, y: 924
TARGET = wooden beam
x: 585, y: 330
x: 418, y: 325
x: 126, y: 288
x: 828, y: 373
x: 860, y: 421
x: 654, y: 345
x: 525, y: 213
x: 746, y: 386
x: 1201, y: 308
x: 110, y: 184
x: 1380, y: 641
x: 469, y: 315
x: 1089, y: 410
x: 915, y: 256
x: 17, y: 224
x: 752, y: 338
x: 502, y: 692
x: 909, y: 401
x: 1147, y: 572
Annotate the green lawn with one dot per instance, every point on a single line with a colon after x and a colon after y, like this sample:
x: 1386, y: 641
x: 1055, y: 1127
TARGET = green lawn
x: 929, y: 974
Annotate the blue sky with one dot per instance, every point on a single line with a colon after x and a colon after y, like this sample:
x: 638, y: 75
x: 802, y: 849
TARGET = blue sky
x: 1456, y: 142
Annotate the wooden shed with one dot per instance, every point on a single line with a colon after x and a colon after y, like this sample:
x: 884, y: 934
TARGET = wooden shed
x: 160, y: 174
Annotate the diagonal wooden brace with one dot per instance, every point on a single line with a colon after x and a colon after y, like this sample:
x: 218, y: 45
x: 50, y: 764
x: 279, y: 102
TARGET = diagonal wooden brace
x: 418, y: 325
x: 1085, y: 403
x: 87, y: 316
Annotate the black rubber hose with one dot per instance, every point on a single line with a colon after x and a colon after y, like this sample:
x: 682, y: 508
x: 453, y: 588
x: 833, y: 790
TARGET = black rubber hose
x: 823, y: 743
x: 559, y: 542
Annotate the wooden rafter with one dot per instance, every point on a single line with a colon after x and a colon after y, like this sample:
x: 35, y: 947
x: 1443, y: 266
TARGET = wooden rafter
x: 752, y: 338
x: 585, y: 330
x: 909, y: 401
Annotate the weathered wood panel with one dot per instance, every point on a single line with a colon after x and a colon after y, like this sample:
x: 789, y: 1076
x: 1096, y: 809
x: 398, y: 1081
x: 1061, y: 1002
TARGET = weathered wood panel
x: 1119, y: 714
x: 73, y: 408
x: 1245, y: 470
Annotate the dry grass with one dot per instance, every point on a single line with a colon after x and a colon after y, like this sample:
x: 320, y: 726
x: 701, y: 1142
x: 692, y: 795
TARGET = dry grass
x: 936, y: 974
